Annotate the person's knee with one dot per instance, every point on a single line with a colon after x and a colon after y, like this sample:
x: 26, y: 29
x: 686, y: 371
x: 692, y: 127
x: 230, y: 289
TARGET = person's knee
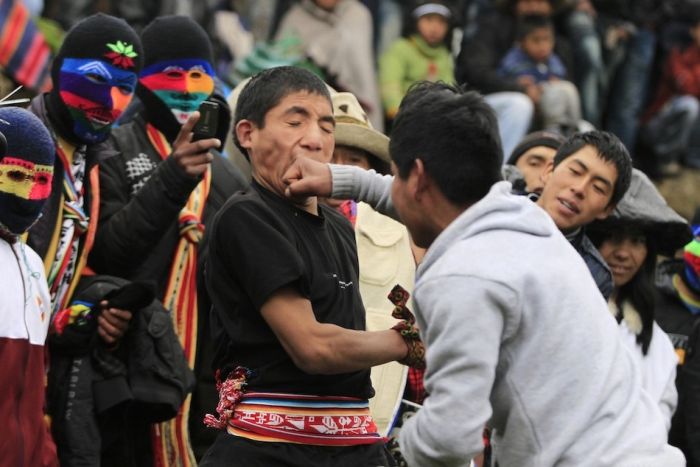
x: 521, y: 105
x: 581, y: 24
x: 690, y: 106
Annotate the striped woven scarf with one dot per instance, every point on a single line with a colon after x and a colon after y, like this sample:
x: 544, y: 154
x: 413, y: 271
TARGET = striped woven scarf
x: 171, y: 442
x: 75, y: 230
x: 24, y: 54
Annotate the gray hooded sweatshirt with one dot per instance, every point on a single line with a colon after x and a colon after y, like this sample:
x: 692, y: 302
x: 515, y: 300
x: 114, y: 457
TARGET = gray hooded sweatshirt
x: 518, y: 338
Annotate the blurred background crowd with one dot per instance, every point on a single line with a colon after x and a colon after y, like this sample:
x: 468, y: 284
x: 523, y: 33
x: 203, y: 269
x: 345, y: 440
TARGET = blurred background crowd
x: 630, y: 62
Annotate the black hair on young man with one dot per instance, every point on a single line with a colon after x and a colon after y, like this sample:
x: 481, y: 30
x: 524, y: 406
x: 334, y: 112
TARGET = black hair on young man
x: 267, y: 88
x: 610, y: 149
x: 454, y: 133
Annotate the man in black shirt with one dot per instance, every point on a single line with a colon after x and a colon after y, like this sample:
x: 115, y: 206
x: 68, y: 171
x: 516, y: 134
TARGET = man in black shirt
x: 287, y: 316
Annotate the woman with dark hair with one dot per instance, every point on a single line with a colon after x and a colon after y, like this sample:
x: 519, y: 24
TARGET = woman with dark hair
x: 641, y: 227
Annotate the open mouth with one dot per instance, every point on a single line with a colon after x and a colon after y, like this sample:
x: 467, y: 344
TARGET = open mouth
x: 100, y: 115
x: 569, y: 206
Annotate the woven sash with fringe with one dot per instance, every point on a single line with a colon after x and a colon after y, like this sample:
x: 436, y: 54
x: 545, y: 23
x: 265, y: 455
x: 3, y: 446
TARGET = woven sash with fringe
x: 290, y: 418
x: 74, y: 233
x: 171, y: 441
x: 294, y: 418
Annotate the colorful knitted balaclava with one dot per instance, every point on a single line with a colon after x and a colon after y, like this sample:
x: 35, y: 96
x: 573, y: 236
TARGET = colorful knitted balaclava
x: 178, y: 64
x: 26, y: 169
x: 95, y: 75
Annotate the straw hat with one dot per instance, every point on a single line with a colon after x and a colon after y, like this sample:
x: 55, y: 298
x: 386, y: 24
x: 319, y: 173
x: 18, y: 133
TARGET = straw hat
x: 353, y: 128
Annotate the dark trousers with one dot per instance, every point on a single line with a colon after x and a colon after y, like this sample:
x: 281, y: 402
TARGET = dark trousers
x: 229, y: 450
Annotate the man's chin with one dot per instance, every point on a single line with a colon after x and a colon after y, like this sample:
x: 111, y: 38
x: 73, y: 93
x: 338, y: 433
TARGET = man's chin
x: 302, y: 201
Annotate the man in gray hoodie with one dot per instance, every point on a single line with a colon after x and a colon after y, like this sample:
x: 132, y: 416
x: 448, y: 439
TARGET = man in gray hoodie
x: 517, y: 337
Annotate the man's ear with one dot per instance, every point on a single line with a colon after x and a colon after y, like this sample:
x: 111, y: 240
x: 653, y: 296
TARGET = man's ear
x: 547, y: 172
x: 418, y: 179
x: 244, y: 130
x: 606, y: 212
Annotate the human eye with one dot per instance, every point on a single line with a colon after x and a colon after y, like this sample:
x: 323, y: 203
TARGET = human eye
x: 197, y: 72
x: 96, y: 78
x: 17, y: 176
x: 601, y: 189
x: 174, y: 72
x: 639, y: 239
x: 42, y: 178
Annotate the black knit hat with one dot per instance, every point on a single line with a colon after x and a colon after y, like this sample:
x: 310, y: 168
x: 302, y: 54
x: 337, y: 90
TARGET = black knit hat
x: 175, y: 37
x: 537, y: 138
x: 102, y: 37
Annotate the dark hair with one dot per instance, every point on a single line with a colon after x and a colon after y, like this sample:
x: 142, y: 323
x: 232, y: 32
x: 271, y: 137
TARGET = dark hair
x: 527, y: 24
x: 640, y: 291
x: 455, y: 133
x: 266, y: 89
x: 610, y: 149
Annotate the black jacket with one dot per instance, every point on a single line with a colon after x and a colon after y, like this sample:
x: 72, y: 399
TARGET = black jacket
x: 141, y: 197
x: 684, y: 330
x: 103, y: 402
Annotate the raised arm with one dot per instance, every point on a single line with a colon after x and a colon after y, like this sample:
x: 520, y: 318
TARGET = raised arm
x: 307, y: 177
x: 131, y: 225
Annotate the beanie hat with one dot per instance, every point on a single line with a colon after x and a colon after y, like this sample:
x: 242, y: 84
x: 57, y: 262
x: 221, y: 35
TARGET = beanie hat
x: 100, y: 37
x: 432, y: 8
x: 175, y: 40
x: 175, y: 37
x: 26, y: 169
x: 537, y: 138
x: 353, y: 128
x: 691, y: 256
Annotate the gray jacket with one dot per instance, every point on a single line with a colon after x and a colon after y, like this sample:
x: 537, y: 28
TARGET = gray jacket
x: 531, y: 351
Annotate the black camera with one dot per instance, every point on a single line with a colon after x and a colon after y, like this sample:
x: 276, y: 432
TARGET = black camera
x: 208, y: 121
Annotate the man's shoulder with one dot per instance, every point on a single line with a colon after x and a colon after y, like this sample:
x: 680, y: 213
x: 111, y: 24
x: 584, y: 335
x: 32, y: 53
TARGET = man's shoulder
x: 245, y: 200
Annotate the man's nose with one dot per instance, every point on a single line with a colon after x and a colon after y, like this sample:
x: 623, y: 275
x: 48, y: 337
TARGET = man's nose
x: 313, y: 138
x: 119, y: 100
x: 578, y: 187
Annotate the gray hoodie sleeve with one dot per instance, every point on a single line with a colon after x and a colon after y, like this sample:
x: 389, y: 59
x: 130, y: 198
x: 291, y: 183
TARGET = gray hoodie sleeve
x: 350, y: 182
x: 462, y: 322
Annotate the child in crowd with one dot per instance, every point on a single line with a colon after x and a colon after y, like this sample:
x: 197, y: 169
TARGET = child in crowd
x: 532, y: 60
x: 422, y: 54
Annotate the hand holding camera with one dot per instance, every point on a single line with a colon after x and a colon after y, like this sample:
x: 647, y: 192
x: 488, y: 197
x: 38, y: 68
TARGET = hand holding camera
x: 195, y: 140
